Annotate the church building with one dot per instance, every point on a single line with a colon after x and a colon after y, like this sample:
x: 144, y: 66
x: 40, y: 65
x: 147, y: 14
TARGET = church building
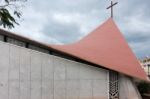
x: 99, y: 66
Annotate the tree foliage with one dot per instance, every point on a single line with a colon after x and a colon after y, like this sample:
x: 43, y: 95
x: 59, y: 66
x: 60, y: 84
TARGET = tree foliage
x: 9, y: 12
x: 144, y: 87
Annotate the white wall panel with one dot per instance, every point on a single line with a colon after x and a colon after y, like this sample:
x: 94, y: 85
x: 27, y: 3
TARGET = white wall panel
x: 24, y: 74
x: 14, y: 68
x: 36, y: 81
x: 100, y: 89
x: 47, y: 67
x: 73, y: 70
x: 99, y: 74
x: 59, y: 68
x: 85, y: 72
x: 73, y: 87
x: 47, y: 90
x: 59, y: 89
x: 47, y: 76
x: 4, y: 66
x: 86, y: 90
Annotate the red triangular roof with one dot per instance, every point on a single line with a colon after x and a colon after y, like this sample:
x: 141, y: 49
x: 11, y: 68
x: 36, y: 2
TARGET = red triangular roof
x: 106, y: 47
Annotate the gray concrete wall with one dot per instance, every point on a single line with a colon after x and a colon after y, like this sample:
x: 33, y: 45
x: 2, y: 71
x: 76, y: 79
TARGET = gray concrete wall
x: 1, y: 38
x: 16, y: 42
x: 128, y: 89
x: 38, y: 48
x: 28, y: 74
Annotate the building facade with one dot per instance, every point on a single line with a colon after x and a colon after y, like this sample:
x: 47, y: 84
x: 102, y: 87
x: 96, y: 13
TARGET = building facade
x: 32, y: 70
x: 145, y: 62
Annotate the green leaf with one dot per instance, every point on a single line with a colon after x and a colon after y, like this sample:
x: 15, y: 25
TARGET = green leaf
x: 18, y: 14
x: 6, y: 19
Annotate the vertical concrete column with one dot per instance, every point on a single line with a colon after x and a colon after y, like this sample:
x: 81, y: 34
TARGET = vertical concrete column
x: 47, y: 76
x: 86, y: 89
x: 36, y: 80
x: 93, y: 82
x: 14, y: 76
x: 100, y: 89
x: 73, y: 81
x: 85, y: 75
x: 24, y: 73
x: 4, y: 66
x: 59, y: 78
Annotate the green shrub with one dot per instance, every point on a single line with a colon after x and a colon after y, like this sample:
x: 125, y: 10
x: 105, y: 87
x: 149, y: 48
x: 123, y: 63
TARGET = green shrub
x: 143, y: 87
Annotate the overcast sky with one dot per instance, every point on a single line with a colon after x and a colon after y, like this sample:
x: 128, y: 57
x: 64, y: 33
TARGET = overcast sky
x: 66, y: 21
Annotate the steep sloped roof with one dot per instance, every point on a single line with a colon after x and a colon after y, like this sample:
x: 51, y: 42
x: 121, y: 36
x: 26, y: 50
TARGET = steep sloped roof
x: 106, y: 47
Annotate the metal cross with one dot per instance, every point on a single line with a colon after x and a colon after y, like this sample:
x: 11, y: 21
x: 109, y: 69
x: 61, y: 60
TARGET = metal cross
x: 111, y: 7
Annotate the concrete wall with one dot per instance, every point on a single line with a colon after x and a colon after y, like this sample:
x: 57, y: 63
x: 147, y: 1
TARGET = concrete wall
x: 38, y: 48
x: 28, y: 74
x: 1, y: 38
x: 128, y: 89
x: 16, y: 42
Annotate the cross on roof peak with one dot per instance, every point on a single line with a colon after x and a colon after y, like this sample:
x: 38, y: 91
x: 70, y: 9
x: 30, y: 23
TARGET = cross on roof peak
x: 111, y: 7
